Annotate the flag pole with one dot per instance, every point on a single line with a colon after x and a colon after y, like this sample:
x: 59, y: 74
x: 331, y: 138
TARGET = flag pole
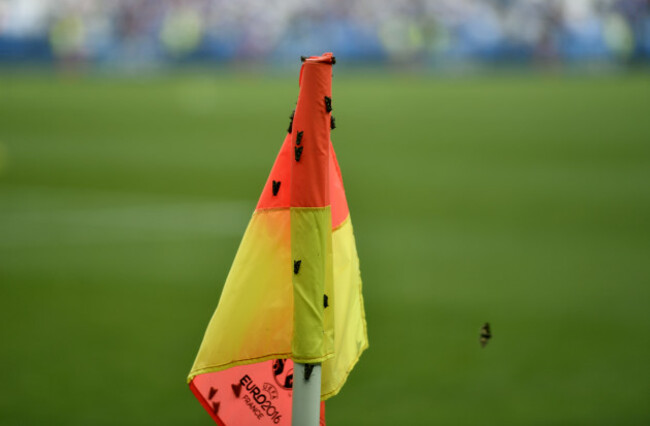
x: 306, y: 394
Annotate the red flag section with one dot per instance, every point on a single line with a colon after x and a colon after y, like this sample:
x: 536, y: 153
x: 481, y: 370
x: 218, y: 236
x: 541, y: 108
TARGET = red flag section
x: 257, y: 394
x: 277, y: 192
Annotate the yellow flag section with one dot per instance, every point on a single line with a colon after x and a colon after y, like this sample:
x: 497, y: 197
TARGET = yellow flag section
x: 311, y: 247
x: 293, y: 292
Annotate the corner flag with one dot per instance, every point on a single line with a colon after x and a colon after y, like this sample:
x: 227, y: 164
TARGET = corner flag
x: 293, y: 293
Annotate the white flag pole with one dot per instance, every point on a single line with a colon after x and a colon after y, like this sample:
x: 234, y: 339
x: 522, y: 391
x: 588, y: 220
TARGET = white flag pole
x: 306, y: 395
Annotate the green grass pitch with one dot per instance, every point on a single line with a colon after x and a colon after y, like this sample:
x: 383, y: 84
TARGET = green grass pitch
x: 522, y: 200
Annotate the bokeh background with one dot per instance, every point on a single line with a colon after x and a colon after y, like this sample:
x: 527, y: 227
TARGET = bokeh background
x: 496, y: 156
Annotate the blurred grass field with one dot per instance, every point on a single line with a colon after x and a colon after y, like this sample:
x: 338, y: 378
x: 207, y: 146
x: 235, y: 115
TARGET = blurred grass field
x: 522, y: 200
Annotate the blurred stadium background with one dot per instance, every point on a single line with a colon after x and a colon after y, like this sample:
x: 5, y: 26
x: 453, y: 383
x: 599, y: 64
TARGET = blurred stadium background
x: 496, y: 156
x: 432, y: 32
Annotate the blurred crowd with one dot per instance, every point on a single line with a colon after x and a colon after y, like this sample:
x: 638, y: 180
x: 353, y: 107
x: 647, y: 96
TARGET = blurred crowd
x: 145, y: 32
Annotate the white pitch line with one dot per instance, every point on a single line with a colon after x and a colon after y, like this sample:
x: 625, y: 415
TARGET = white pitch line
x: 38, y: 223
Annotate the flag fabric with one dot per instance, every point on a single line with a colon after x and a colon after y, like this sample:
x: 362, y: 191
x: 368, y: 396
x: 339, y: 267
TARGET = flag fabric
x: 293, y: 293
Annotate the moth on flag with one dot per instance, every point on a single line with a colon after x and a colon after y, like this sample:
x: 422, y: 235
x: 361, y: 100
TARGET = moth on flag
x: 293, y: 292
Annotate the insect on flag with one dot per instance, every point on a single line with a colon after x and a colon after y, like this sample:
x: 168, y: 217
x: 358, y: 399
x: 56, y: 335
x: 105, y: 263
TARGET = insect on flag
x: 293, y: 293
